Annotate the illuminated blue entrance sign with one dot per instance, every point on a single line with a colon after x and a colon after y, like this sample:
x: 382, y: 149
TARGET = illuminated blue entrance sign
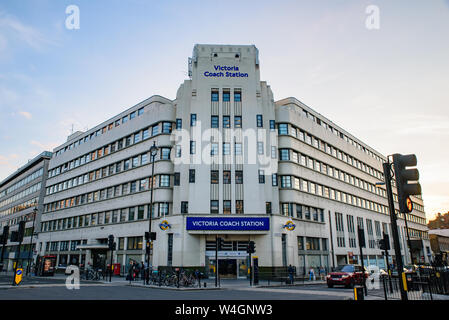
x: 231, y: 72
x: 236, y: 224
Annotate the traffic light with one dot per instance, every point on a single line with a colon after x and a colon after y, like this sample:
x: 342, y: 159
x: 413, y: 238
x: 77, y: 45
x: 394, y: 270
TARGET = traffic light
x: 403, y: 177
x: 361, y: 234
x: 251, y: 247
x: 5, y: 235
x: 21, y: 231
x: 14, y: 236
x: 111, y: 242
x: 220, y: 243
x: 150, y: 235
x: 384, y: 244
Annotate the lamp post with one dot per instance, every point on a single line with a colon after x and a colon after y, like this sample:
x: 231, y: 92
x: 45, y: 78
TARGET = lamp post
x: 153, y: 153
x: 31, y: 244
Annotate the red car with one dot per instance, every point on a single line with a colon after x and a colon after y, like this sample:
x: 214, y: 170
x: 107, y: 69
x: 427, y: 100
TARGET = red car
x: 347, y: 275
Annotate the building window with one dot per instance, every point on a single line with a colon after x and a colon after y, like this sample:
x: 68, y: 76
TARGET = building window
x: 178, y: 151
x: 192, y: 175
x: 226, y: 96
x: 261, y: 176
x: 214, y: 177
x: 140, y: 111
x: 259, y: 121
x: 239, y: 206
x: 237, y: 96
x: 312, y: 243
x: 131, y: 213
x: 226, y: 148
x: 274, y: 179
x: 284, y: 154
x: 193, y: 119
x: 214, y: 121
x: 226, y: 177
x: 238, y: 177
x: 192, y: 147
x: 268, y: 207
x: 135, y: 243
x: 164, y: 180
x: 163, y: 209
x: 214, y: 206
x: 238, y: 149
x: 272, y: 125
x: 214, y: 96
x: 286, y: 182
x: 283, y: 128
x: 299, y: 211
x: 260, y: 148
x: 226, y: 206
x: 170, y: 250
x: 237, y: 121
x: 226, y: 121
x: 166, y: 127
x: 177, y: 179
x: 178, y: 124
x: 184, y: 207
x: 214, y: 149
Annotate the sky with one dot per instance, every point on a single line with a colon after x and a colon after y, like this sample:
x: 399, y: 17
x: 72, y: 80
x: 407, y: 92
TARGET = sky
x: 381, y: 74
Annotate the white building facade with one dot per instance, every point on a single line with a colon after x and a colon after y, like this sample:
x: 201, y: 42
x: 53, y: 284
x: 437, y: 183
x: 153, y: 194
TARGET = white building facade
x: 231, y: 163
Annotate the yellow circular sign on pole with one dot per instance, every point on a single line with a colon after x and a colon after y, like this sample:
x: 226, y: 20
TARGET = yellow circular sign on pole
x: 409, y: 204
x: 18, y: 276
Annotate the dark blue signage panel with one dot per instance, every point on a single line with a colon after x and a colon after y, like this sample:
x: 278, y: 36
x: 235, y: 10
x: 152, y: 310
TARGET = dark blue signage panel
x: 228, y: 223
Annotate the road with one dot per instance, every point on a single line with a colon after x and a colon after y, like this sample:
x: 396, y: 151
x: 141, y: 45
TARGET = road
x: 55, y: 289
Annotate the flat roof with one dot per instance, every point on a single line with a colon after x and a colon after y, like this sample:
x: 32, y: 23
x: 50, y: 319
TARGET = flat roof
x: 27, y: 166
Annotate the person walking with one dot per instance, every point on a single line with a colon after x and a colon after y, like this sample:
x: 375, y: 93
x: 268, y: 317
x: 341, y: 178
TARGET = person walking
x: 130, y: 271
x: 143, y: 271
x: 290, y: 274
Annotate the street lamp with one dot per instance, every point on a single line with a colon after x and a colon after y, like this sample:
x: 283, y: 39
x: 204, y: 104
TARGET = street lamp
x: 153, y: 152
x: 31, y: 244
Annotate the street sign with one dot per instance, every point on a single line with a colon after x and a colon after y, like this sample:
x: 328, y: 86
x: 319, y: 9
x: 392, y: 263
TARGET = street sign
x: 18, y: 277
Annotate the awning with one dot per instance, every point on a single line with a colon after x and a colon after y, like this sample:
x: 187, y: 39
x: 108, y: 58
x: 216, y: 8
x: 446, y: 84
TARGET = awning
x: 92, y: 246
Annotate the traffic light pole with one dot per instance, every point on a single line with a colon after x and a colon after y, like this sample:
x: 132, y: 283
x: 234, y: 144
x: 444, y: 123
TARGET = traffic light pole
x: 110, y: 266
x: 408, y: 239
x: 361, y: 244
x: 394, y: 227
x: 31, y: 244
x: 216, y: 261
x: 16, y: 264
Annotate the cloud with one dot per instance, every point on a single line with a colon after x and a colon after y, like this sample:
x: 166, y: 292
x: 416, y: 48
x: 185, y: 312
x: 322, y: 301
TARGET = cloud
x: 16, y: 30
x: 25, y: 114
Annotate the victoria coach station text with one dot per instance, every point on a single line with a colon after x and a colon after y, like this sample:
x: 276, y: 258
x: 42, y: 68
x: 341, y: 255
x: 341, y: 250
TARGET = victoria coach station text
x: 231, y: 72
x: 228, y: 223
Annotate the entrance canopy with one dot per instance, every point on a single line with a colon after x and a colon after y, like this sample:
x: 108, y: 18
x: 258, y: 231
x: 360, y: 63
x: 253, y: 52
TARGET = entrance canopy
x: 92, y: 246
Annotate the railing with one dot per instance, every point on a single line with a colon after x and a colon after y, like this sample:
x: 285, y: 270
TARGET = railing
x: 424, y: 284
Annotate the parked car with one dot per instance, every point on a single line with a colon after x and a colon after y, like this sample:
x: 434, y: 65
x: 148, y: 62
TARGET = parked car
x: 347, y: 275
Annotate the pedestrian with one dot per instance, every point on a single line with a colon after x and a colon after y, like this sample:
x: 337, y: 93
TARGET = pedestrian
x: 130, y: 276
x: 290, y: 273
x: 322, y: 273
x: 312, y: 274
x: 142, y: 270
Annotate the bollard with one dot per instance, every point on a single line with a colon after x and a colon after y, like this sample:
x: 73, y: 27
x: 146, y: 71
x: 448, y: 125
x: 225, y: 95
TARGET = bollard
x: 358, y: 293
x: 205, y: 284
